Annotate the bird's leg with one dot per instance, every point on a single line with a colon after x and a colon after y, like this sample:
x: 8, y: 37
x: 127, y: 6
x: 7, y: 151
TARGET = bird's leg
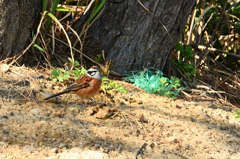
x: 85, y: 104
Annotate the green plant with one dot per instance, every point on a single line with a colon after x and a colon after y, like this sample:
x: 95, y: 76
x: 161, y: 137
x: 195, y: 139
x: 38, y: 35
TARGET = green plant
x: 152, y: 81
x: 107, y: 85
x: 78, y: 72
x: 58, y: 75
x: 236, y: 114
x: 112, y: 86
x: 185, y: 63
x: 49, y: 21
x: 168, y: 87
x: 96, y: 10
x: 98, y: 58
x: 74, y: 63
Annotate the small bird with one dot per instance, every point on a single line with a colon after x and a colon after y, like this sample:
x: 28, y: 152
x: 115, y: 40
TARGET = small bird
x: 85, y: 86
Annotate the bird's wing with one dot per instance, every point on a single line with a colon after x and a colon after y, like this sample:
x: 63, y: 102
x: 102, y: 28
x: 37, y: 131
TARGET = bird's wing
x: 81, y: 83
x: 77, y: 86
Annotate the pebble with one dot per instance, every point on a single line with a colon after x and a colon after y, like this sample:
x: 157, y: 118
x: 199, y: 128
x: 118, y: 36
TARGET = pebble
x: 62, y: 145
x: 29, y: 148
x: 11, y: 113
x: 122, y: 103
x: 38, y: 116
x: 140, y: 102
x: 54, y: 150
x: 4, y: 116
x: 4, y: 68
x: 39, y: 76
x: 123, y: 121
x: 5, y: 132
x: 34, y: 111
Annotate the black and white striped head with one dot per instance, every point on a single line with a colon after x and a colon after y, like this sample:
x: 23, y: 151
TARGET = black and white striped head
x: 94, y: 72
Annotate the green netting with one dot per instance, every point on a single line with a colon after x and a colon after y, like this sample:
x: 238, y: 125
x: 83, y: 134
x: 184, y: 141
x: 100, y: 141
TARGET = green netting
x: 152, y: 81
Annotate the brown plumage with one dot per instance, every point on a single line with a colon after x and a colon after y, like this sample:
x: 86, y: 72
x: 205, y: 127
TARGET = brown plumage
x: 86, y: 86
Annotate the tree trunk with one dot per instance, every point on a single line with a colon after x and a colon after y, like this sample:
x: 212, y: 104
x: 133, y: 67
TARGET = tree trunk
x: 16, y: 22
x: 132, y: 38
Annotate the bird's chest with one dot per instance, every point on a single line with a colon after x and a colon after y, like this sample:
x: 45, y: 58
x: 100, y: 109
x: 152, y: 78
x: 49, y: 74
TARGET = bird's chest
x: 90, y: 91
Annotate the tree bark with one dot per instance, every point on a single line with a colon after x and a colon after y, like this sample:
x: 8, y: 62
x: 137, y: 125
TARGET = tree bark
x: 17, y: 19
x: 132, y: 38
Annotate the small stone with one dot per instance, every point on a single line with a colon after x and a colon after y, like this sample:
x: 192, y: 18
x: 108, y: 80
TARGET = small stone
x: 62, y: 145
x: 38, y: 116
x: 39, y: 76
x: 34, y: 111
x: 122, y: 103
x: 5, y: 132
x: 140, y: 102
x: 54, y: 150
x: 4, y: 116
x: 4, y: 68
x: 11, y: 113
x: 29, y: 148
x: 123, y: 121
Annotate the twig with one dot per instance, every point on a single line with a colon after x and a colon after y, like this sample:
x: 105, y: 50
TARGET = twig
x: 186, y: 94
x: 205, y: 52
x: 84, y: 130
x: 191, y: 25
x: 2, y: 103
x: 210, y: 100
x: 217, y: 50
x: 219, y: 94
x: 124, y: 115
x: 76, y: 50
x: 223, y: 66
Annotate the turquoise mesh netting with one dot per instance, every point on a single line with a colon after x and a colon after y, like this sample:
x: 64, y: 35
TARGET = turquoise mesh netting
x: 152, y: 81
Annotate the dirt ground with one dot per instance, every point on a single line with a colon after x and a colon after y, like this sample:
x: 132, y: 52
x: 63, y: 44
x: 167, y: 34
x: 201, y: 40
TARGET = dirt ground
x: 116, y: 125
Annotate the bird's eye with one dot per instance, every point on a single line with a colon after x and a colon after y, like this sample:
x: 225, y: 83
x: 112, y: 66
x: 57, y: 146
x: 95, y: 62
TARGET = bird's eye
x: 92, y: 73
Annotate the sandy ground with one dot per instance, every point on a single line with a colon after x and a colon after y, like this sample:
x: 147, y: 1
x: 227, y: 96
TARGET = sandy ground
x: 116, y: 125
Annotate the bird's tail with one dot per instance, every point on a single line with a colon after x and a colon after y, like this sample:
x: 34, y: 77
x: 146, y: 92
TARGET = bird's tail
x: 57, y: 94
